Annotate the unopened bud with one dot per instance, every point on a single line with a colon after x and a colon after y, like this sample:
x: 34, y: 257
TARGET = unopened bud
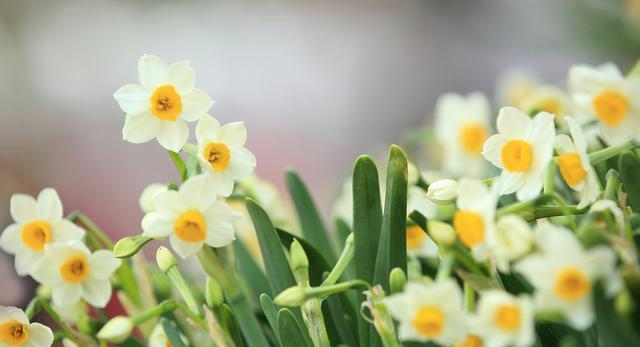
x: 299, y: 258
x: 165, y: 259
x: 291, y: 297
x: 117, y: 330
x: 213, y: 293
x: 443, y: 191
x: 442, y: 233
x: 397, y: 280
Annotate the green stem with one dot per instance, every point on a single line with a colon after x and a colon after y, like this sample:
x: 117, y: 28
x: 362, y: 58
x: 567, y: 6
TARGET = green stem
x: 612, y: 185
x: 554, y: 211
x: 324, y: 291
x: 56, y: 319
x: 549, y: 178
x: 190, y: 148
x: 183, y: 288
x: 90, y: 226
x: 469, y: 298
x: 444, y: 270
x: 343, y: 261
x: 610, y: 152
x: 166, y: 307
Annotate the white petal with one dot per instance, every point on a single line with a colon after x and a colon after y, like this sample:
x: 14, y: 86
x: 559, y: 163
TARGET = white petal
x: 563, y: 144
x: 140, y: 128
x: 577, y: 135
x: 184, y: 249
x: 96, y: 292
x: 49, y: 205
x: 558, y: 240
x: 195, y: 105
x: 26, y: 262
x: 509, y: 182
x: 513, y: 122
x: 580, y: 315
x: 13, y: 313
x: 133, y: 99
x: 45, y: 272
x: 207, y: 129
x: 40, y: 335
x: 492, y: 149
x: 170, y: 203
x: 620, y: 133
x: 65, y: 230
x: 182, y: 77
x: 173, y: 135
x: 224, y: 183
x: 241, y: 164
x: 536, y: 270
x: 233, y: 134
x: 66, y: 294
x: 152, y: 72
x: 199, y: 192
x: 23, y: 208
x: 542, y: 130
x: 156, y: 226
x: 531, y: 188
x: 11, y: 239
x: 219, y: 234
x: 103, y: 264
x: 472, y: 194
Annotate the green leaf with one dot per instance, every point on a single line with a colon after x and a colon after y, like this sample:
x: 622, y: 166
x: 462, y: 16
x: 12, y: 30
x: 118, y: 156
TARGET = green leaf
x: 228, y: 321
x: 290, y: 331
x: 270, y: 311
x: 128, y: 282
x: 251, y: 273
x: 392, y: 250
x: 275, y: 261
x: 192, y: 166
x: 629, y: 167
x: 312, y: 226
x: 172, y: 333
x: 612, y: 329
x: 367, y: 221
x: 129, y: 246
x: 180, y: 165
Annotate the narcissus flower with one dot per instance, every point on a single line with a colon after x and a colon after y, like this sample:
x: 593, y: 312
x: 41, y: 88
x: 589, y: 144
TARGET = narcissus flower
x: 474, y: 220
x: 418, y: 242
x: 602, y: 92
x: 430, y: 312
x: 222, y: 154
x: 547, y: 98
x: 16, y: 331
x: 522, y: 148
x: 37, y: 224
x: 159, y: 106
x: 191, y: 217
x: 564, y: 273
x: 515, y: 86
x: 512, y: 239
x: 574, y: 165
x: 505, y: 320
x: 462, y: 126
x: 74, y: 273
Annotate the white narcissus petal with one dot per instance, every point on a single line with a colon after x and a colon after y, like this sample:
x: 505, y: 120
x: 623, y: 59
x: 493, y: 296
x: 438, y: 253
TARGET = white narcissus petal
x: 199, y: 192
x: 65, y: 230
x: 242, y: 163
x: 513, y: 122
x: 66, y: 294
x: 11, y: 239
x: 577, y: 135
x: 49, y: 205
x: 184, y: 249
x: 531, y: 188
x: 140, y: 128
x: 173, y: 135
x: 152, y: 72
x: 23, y: 208
x: 103, y: 264
x: 581, y: 314
x: 509, y: 182
x: 492, y: 149
x: 207, y: 130
x: 542, y: 130
x: 45, y: 272
x: 40, y: 335
x: 535, y: 269
x: 233, y: 134
x: 156, y: 226
x: 133, y: 99
x: 563, y: 144
x: 97, y: 292
x: 195, y: 105
x: 472, y: 194
x: 224, y: 183
x: 169, y: 203
x: 559, y: 240
x: 26, y: 262
x: 219, y: 234
x: 617, y: 134
x: 182, y: 77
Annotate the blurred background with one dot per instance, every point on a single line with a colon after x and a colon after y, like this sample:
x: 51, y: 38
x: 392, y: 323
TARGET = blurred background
x: 317, y: 83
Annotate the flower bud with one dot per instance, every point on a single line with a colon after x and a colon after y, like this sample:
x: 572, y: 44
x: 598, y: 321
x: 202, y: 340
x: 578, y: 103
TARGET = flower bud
x: 299, y: 258
x: 213, y: 293
x: 117, y: 330
x: 443, y: 191
x: 165, y: 259
x: 397, y: 280
x: 442, y: 233
x: 291, y: 297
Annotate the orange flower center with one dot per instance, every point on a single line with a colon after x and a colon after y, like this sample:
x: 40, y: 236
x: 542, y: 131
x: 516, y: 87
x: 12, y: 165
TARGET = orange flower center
x: 571, y: 168
x: 517, y: 155
x: 611, y: 107
x: 472, y: 136
x: 166, y: 103
x: 75, y: 269
x: 13, y: 333
x: 36, y: 235
x: 429, y: 321
x: 507, y: 317
x: 469, y: 226
x: 218, y: 155
x: 191, y: 227
x: 415, y: 237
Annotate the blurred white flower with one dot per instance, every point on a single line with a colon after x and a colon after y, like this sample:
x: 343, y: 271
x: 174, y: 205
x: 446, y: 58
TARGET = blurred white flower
x: 74, y: 273
x: 147, y: 198
x: 191, y: 217
x: 222, y: 154
x: 603, y: 93
x: 418, y: 242
x: 37, y: 224
x: 474, y: 220
x: 505, y: 320
x: 514, y: 86
x: 522, y: 148
x: 608, y: 205
x: 443, y: 191
x: 462, y: 126
x: 429, y: 312
x: 564, y: 273
x: 159, y: 106
x: 512, y: 239
x: 15, y: 330
x: 573, y: 163
x: 547, y: 98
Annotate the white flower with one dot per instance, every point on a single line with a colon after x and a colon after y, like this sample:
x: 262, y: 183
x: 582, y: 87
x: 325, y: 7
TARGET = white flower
x: 158, y: 338
x: 608, y: 205
x: 418, y: 242
x: 222, y: 154
x: 602, y: 92
x: 574, y: 165
x: 512, y: 239
x: 162, y: 102
x: 564, y: 273
x: 37, y: 224
x: 429, y: 312
x: 462, y: 126
x: 147, y: 198
x: 74, y: 273
x: 504, y: 320
x: 515, y: 86
x: 547, y: 98
x: 191, y: 217
x: 522, y: 148
x: 15, y: 330
x: 443, y: 191
x: 474, y: 220
x: 267, y: 195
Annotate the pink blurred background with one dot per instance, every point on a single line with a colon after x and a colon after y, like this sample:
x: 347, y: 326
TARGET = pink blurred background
x: 317, y: 83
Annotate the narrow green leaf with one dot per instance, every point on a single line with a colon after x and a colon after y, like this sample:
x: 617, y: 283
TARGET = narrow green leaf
x: 613, y: 331
x: 367, y: 221
x: 343, y: 229
x: 343, y: 323
x: 270, y: 312
x: 180, y: 165
x: 228, y: 321
x: 629, y: 167
x: 290, y: 331
x: 275, y: 261
x: 251, y: 273
x: 312, y: 226
x: 172, y: 333
x: 129, y: 246
x: 129, y: 282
